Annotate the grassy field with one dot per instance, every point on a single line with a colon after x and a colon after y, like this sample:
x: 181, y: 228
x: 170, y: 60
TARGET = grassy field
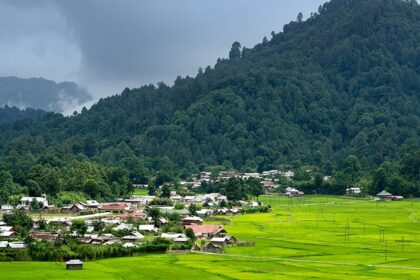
x: 141, y: 192
x: 307, y: 238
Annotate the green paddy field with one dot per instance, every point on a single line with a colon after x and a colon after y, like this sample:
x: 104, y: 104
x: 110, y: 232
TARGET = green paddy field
x: 316, y: 237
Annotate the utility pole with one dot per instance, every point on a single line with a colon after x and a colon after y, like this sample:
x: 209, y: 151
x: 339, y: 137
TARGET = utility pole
x: 402, y: 244
x: 386, y: 252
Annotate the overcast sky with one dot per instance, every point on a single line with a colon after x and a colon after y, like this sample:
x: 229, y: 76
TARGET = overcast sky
x: 107, y: 45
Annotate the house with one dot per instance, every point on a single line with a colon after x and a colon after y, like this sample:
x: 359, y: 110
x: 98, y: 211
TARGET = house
x: 44, y: 236
x: 189, y: 198
x: 140, y: 200
x: 27, y: 200
x: 7, y: 231
x: 204, y: 212
x: 292, y: 192
x: 48, y: 208
x: 213, y: 248
x: 384, y: 195
x: 354, y: 192
x: 222, y: 211
x: 220, y: 241
x: 97, y: 239
x: 112, y: 242
x: 225, y: 240
x: 128, y: 245
x: 180, y: 212
x: 23, y: 208
x: 231, y: 240
x: 62, y: 222
x: 172, y: 235
x: 163, y: 221
x: 207, y: 231
x: 74, y: 265
x: 111, y: 222
x: 8, y: 234
x: 234, y: 211
x: 134, y: 236
x: 180, y: 240
x: 196, y: 247
x: 124, y: 226
x: 135, y: 215
x: 268, y: 184
x: 4, y: 244
x: 91, y: 204
x: 192, y: 220
x: 73, y: 208
x: 175, y: 197
x: 251, y: 175
x: 148, y: 228
x: 90, y: 229
x: 6, y: 208
x: 288, y: 174
x: 17, y: 245
x: 117, y: 207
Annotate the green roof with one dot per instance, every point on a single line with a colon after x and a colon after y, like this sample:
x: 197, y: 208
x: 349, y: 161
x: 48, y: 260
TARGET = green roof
x: 383, y: 193
x: 171, y: 211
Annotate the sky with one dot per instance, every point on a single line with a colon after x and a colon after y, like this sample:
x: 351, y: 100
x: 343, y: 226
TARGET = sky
x: 107, y: 45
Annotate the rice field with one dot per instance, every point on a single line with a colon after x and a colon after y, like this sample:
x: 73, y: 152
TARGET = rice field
x: 316, y: 237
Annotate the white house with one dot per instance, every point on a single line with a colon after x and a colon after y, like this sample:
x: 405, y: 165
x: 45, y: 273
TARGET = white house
x: 26, y: 200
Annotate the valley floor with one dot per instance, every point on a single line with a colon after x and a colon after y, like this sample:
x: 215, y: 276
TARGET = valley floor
x: 314, y: 237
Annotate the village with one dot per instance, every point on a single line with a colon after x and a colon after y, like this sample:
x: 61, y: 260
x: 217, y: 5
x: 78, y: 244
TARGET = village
x: 139, y: 219
x: 187, y: 222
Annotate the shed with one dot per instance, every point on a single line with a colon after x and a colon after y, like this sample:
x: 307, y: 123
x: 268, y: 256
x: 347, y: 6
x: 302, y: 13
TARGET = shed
x: 74, y: 265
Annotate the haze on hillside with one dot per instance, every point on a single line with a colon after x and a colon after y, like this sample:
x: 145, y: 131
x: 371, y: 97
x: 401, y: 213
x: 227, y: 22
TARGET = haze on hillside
x: 105, y: 46
x: 38, y: 93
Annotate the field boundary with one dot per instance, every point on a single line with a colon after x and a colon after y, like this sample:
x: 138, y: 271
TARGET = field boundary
x: 310, y: 261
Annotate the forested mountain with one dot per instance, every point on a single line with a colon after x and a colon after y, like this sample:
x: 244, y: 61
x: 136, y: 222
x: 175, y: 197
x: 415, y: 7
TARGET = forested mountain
x: 344, y: 82
x: 9, y: 115
x: 42, y: 94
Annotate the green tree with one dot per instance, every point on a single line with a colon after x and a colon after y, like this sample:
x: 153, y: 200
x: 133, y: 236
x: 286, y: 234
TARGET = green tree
x: 166, y: 191
x: 79, y: 226
x: 235, y: 51
x: 155, y: 214
x: 192, y: 209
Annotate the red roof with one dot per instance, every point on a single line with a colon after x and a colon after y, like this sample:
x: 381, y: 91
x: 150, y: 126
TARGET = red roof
x: 205, y: 229
x: 113, y: 206
x: 131, y: 215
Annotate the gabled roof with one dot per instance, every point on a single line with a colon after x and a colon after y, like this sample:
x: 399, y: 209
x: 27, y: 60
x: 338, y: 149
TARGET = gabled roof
x: 383, y: 193
x: 17, y: 245
x: 205, y: 229
x: 74, y: 262
x: 193, y: 218
x: 114, y: 206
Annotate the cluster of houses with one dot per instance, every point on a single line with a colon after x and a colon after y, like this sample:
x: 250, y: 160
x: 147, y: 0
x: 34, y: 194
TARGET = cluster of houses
x: 266, y: 177
x: 127, y: 222
x: 382, y: 196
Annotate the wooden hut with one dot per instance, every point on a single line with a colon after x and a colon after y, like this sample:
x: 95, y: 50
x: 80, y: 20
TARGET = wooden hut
x: 74, y: 265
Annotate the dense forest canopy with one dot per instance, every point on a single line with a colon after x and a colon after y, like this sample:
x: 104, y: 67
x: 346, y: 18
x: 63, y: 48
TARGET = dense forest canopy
x: 344, y: 82
x: 11, y: 115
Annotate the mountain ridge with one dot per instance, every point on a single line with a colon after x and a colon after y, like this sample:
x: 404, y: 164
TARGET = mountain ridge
x: 337, y: 84
x: 40, y: 93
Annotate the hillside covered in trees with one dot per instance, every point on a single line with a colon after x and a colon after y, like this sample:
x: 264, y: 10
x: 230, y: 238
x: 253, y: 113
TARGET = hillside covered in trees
x: 11, y: 115
x: 344, y: 82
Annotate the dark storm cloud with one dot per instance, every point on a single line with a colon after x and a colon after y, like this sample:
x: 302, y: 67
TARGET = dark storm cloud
x: 107, y: 44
